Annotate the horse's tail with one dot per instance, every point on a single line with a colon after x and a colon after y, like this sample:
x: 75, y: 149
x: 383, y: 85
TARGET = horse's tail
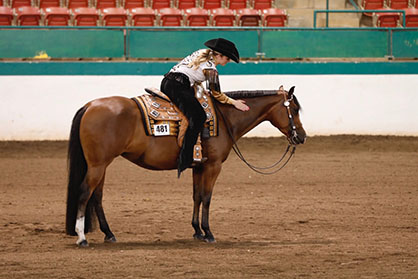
x: 77, y: 169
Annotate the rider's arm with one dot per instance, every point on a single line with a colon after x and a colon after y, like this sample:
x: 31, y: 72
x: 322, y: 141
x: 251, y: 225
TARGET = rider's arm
x: 215, y: 88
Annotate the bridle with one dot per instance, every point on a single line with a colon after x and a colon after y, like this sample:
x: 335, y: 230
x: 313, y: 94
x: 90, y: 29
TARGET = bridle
x: 292, y: 142
x: 293, y: 139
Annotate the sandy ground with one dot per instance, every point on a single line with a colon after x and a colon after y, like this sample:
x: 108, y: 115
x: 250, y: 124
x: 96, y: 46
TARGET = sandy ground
x: 344, y: 207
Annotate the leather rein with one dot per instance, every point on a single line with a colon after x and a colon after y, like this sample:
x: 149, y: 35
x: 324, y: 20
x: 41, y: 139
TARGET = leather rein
x: 266, y: 170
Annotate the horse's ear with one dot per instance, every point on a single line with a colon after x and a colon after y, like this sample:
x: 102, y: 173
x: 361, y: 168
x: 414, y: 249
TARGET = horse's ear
x: 292, y: 89
x: 281, y: 90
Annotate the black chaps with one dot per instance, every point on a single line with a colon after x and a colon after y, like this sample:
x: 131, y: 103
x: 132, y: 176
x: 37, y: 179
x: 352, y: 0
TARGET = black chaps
x: 177, y: 87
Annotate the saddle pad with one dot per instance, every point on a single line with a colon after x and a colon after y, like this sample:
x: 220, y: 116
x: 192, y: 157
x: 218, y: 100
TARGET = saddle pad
x: 163, y: 118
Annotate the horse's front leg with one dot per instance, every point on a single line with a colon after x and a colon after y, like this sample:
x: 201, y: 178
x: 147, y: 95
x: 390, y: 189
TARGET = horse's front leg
x: 209, y: 176
x: 197, y: 200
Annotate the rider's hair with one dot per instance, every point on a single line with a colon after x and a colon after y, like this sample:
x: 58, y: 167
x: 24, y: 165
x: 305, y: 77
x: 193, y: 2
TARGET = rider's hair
x: 206, y: 55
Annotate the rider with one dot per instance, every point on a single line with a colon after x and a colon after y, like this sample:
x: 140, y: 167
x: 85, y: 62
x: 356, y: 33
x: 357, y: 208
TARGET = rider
x: 178, y: 86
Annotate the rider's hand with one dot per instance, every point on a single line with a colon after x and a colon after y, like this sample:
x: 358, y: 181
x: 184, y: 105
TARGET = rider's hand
x: 240, y: 104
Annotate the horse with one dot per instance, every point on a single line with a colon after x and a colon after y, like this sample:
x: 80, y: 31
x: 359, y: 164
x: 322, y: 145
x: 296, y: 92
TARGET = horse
x: 106, y: 128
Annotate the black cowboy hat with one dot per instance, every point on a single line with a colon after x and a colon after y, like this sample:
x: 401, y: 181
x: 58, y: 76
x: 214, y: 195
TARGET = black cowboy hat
x: 224, y: 47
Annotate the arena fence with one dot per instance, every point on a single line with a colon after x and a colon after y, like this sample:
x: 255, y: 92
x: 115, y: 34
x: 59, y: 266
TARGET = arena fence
x: 257, y: 43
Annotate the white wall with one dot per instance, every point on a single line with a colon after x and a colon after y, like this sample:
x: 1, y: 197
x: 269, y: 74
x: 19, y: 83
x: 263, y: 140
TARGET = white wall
x: 42, y: 107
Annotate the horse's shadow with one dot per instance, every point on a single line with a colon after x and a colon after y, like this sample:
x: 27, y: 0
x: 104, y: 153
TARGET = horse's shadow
x: 197, y: 244
x: 171, y: 244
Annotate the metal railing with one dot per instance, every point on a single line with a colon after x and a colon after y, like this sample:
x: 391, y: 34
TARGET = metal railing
x: 327, y: 11
x: 352, y: 2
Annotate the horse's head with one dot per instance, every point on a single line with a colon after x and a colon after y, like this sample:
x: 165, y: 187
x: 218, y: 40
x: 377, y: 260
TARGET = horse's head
x: 285, y: 116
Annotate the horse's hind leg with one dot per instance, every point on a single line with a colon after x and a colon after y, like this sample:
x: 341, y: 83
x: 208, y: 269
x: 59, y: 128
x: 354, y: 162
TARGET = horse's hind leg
x: 81, y: 214
x: 104, y: 226
x: 93, y: 177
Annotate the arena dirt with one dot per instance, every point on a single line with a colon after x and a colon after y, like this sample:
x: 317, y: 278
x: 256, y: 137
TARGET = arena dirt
x: 344, y: 207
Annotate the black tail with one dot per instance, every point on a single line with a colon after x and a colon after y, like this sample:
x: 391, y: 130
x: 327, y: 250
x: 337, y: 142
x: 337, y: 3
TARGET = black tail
x: 77, y: 169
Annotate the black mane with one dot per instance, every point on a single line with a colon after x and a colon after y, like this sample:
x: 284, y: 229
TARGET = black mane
x: 257, y: 93
x: 250, y: 93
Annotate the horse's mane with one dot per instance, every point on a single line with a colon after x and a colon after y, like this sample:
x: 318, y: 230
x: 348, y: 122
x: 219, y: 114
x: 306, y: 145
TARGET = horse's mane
x: 250, y: 93
x: 256, y: 93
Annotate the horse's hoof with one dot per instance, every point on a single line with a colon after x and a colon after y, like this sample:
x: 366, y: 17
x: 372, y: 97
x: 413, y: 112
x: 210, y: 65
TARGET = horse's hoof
x: 210, y: 239
x: 83, y: 244
x: 198, y: 236
x: 111, y: 239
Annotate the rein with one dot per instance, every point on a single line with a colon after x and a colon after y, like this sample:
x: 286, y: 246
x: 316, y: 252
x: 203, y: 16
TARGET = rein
x: 262, y: 170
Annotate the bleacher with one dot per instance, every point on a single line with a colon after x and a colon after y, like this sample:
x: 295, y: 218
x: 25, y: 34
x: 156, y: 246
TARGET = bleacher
x: 217, y: 13
x: 387, y: 18
x: 141, y: 13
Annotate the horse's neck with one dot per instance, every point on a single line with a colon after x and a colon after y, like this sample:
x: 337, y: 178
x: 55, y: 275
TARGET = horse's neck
x: 242, y: 122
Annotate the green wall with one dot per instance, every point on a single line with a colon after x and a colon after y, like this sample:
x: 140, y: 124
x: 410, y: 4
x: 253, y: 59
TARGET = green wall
x: 174, y: 43
x: 325, y: 43
x: 179, y: 43
x: 405, y: 43
x: 70, y: 43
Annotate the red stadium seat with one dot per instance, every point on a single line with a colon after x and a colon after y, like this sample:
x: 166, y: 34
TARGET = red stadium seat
x: 212, y: 4
x: 185, y: 4
x: 28, y: 16
x: 274, y: 17
x: 411, y: 17
x: 72, y: 4
x: 223, y: 17
x: 1, y: 2
x: 248, y: 17
x: 415, y: 5
x: 387, y: 19
x: 197, y: 17
x: 142, y: 17
x: 160, y: 4
x: 6, y: 16
x: 261, y: 4
x: 103, y: 4
x: 56, y: 16
x: 114, y: 17
x: 85, y: 16
x: 372, y: 4
x: 237, y: 4
x: 170, y: 17
x: 48, y: 3
x: 21, y: 3
x: 366, y: 18
x: 130, y: 4
x: 398, y: 4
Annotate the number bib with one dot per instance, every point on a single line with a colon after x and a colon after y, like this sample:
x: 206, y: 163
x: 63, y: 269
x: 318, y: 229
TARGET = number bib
x: 161, y: 130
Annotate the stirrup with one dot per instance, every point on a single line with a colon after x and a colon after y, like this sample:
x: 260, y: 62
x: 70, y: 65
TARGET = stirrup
x: 197, y: 154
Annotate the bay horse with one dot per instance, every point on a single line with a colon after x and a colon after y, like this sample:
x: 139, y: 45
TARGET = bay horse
x: 106, y: 128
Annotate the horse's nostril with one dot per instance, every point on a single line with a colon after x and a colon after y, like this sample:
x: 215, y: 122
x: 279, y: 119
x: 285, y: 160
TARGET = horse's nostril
x: 298, y: 139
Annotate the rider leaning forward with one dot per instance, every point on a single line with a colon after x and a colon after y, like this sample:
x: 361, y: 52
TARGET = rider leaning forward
x: 178, y: 84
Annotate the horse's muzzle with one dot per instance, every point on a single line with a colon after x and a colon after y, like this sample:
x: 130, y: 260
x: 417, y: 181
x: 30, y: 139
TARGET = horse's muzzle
x: 297, y: 138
